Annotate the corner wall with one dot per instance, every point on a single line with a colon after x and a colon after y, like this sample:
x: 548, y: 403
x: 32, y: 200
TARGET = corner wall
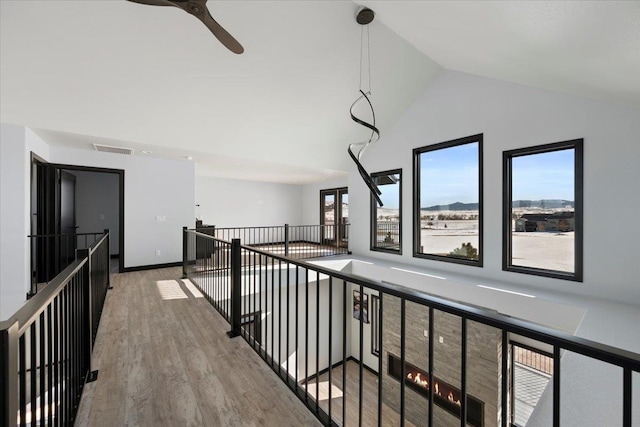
x: 237, y: 203
x: 513, y: 116
x: 16, y: 145
x: 159, y: 199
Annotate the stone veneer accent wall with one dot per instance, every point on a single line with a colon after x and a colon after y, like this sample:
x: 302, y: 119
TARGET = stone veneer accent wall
x: 484, y: 346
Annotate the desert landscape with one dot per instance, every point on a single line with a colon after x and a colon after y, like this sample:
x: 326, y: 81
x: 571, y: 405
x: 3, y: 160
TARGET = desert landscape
x: 443, y: 231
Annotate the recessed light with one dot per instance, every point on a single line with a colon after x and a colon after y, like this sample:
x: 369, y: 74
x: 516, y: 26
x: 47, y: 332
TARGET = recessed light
x: 146, y: 152
x: 188, y: 157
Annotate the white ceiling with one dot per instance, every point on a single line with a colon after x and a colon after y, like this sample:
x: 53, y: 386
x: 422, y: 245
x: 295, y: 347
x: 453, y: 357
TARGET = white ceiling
x: 155, y: 79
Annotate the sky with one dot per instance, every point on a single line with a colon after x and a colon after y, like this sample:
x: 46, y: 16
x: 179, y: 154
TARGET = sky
x: 543, y: 176
x: 449, y: 175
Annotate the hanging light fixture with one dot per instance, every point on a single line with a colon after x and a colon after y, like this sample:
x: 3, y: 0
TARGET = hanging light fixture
x: 357, y: 149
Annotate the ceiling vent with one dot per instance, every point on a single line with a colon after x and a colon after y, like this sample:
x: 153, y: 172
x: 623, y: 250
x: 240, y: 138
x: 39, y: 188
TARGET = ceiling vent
x: 113, y: 149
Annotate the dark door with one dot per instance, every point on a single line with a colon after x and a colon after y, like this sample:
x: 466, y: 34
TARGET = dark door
x: 67, y: 218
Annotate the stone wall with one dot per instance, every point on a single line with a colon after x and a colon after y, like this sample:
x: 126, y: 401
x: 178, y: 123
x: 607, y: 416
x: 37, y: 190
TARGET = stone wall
x: 484, y: 345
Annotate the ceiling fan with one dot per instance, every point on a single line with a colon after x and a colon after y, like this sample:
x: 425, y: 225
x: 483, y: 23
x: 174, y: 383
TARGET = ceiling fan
x: 198, y: 8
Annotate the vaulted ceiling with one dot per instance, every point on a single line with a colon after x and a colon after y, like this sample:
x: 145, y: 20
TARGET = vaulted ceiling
x: 155, y: 79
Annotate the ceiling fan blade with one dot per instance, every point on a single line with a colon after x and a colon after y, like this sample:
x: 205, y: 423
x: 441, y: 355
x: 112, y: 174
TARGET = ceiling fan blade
x: 221, y: 34
x: 153, y: 2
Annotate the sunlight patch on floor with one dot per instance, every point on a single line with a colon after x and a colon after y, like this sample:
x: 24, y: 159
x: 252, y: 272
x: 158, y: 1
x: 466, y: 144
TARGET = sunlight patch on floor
x: 323, y: 390
x: 170, y: 290
x: 192, y: 288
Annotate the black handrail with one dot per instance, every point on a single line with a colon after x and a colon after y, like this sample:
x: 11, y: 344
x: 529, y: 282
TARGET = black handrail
x: 45, y: 347
x: 265, y: 282
x: 296, y: 241
x: 52, y: 253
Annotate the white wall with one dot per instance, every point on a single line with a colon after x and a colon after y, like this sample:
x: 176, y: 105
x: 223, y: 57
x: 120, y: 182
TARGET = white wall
x: 512, y: 116
x: 16, y: 145
x: 311, y: 197
x: 98, y: 204
x: 152, y: 188
x: 236, y: 203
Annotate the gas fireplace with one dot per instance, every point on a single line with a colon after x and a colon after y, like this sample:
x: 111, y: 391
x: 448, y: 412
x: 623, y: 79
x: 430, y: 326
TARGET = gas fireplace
x: 445, y: 395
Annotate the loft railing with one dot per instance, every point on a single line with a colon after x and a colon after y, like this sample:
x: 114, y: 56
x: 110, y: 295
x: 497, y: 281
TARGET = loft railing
x: 45, y: 347
x: 295, y: 241
x: 387, y: 235
x: 52, y: 253
x: 297, y: 317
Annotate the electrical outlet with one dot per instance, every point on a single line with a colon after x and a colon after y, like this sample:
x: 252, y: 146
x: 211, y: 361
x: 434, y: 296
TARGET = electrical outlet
x: 157, y: 252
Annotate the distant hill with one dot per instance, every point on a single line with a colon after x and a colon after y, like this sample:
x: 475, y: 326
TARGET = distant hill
x: 457, y: 206
x: 546, y: 203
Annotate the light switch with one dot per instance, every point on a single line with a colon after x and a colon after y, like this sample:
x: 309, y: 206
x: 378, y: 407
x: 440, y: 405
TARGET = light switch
x: 441, y: 340
x: 425, y: 333
x: 157, y: 252
x: 101, y: 217
x: 160, y: 218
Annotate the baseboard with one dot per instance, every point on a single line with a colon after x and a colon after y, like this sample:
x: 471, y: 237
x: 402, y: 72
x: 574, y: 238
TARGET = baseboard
x: 151, y: 267
x: 364, y: 364
x: 335, y: 365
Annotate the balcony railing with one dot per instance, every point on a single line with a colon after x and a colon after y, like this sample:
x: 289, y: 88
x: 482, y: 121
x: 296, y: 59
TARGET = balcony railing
x: 294, y: 241
x: 45, y: 348
x: 308, y: 324
x: 52, y: 253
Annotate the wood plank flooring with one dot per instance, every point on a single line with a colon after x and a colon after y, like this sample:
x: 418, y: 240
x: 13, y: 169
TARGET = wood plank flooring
x: 164, y: 359
x: 352, y: 396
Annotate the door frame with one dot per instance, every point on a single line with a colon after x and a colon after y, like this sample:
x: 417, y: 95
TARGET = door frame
x: 49, y: 203
x: 338, y: 231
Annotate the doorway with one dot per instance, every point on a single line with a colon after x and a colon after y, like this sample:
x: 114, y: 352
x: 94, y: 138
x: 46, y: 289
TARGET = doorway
x: 334, y: 216
x: 57, y: 192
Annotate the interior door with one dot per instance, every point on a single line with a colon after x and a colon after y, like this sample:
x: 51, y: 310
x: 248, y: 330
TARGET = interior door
x: 67, y: 218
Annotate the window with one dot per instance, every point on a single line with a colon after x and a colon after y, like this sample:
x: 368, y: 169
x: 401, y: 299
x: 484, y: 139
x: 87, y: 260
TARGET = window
x: 543, y: 210
x: 386, y: 221
x: 375, y: 325
x: 448, y: 201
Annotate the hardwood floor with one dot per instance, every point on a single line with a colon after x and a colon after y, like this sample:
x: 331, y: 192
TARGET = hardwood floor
x: 369, y: 397
x: 164, y: 359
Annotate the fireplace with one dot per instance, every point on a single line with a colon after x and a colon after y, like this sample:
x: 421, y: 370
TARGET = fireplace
x: 445, y: 395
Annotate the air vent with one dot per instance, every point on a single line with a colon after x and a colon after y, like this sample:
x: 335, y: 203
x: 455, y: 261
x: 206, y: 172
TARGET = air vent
x: 113, y: 149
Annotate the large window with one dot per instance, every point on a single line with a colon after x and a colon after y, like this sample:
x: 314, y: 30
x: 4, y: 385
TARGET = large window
x: 386, y: 221
x: 448, y: 201
x: 543, y: 210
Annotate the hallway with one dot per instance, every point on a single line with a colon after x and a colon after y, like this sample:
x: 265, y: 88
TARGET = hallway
x: 164, y: 359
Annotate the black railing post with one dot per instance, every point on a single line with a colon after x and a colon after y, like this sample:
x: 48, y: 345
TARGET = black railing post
x: 236, y: 290
x: 88, y: 307
x: 9, y: 375
x: 108, y: 243
x: 286, y: 240
x: 185, y: 252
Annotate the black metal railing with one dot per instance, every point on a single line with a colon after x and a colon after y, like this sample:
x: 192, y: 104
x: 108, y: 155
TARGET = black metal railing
x: 387, y: 235
x: 45, y: 347
x: 295, y: 241
x: 308, y: 324
x: 52, y: 253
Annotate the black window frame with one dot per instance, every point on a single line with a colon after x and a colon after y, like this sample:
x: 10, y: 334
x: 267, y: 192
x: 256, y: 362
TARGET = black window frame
x: 374, y: 315
x: 373, y: 215
x: 417, y: 152
x: 578, y: 146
